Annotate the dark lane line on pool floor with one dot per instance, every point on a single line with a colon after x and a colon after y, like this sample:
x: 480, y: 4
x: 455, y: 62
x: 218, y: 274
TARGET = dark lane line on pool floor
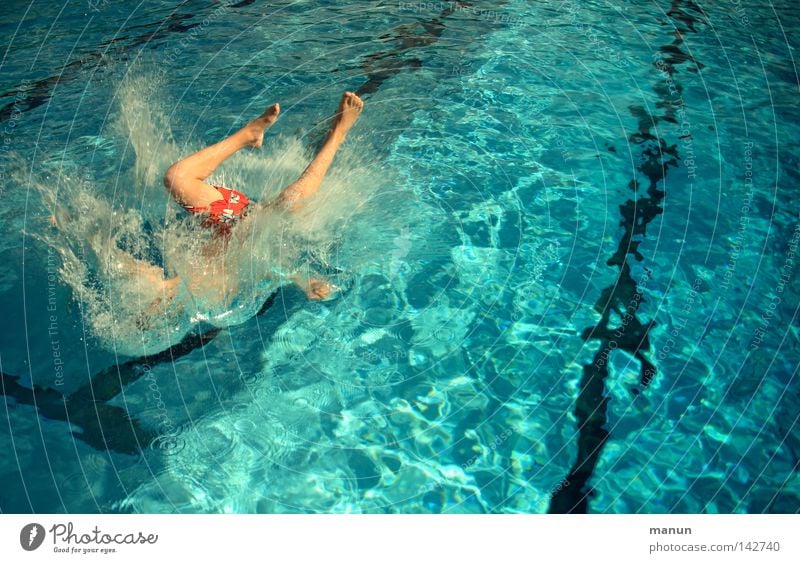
x: 34, y: 93
x: 378, y: 66
x: 386, y: 64
x: 105, y: 427
x: 624, y: 296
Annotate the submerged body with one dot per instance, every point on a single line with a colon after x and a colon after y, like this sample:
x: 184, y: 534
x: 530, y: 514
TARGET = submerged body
x: 221, y: 209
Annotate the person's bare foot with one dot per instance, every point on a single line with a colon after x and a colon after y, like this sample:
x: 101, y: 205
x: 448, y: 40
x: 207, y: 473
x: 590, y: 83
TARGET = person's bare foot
x: 349, y: 109
x: 257, y: 127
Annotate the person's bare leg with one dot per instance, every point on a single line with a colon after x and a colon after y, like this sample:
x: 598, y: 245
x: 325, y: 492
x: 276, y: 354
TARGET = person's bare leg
x: 186, y: 178
x: 310, y: 180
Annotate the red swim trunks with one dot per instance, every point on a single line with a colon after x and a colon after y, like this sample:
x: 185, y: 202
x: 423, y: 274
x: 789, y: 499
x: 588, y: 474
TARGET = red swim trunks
x: 223, y: 212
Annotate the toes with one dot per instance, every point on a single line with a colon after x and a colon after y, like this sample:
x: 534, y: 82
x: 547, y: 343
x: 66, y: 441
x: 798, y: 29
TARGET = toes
x: 318, y: 295
x: 351, y: 100
x: 271, y: 113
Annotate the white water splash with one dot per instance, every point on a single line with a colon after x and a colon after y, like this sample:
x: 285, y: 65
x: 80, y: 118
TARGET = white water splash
x: 124, y: 302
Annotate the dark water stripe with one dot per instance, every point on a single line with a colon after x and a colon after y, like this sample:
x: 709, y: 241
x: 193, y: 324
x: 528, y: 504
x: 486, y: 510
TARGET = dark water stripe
x: 388, y: 63
x: 35, y: 93
x: 392, y: 62
x: 378, y: 66
x: 103, y: 427
x: 106, y: 427
x: 385, y: 64
x: 624, y: 297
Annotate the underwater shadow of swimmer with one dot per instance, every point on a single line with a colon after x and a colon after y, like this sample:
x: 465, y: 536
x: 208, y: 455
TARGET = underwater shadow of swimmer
x: 102, y: 426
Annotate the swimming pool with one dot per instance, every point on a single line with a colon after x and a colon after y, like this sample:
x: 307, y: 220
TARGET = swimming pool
x: 566, y: 234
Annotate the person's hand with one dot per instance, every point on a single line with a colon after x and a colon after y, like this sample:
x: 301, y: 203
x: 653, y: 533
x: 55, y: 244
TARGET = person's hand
x: 319, y: 289
x: 316, y: 289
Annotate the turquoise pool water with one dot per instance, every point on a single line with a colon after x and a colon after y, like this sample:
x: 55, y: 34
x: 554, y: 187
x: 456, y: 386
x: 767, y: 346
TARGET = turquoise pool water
x: 566, y: 234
